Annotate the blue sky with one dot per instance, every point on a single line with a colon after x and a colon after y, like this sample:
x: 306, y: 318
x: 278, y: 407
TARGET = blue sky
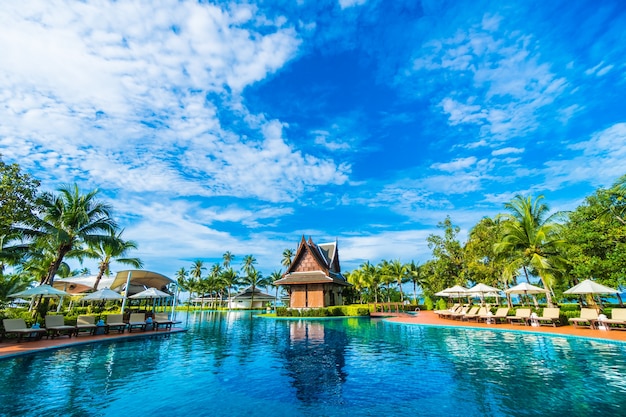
x: 241, y: 126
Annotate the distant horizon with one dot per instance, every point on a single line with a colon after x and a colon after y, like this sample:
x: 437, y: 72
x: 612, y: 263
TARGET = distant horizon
x: 214, y: 127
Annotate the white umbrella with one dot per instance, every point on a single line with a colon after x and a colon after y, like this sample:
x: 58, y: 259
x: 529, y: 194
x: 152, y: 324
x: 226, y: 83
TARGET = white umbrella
x: 526, y: 288
x: 43, y: 290
x: 456, y: 291
x: 483, y: 289
x: 151, y: 293
x: 103, y: 294
x: 590, y: 287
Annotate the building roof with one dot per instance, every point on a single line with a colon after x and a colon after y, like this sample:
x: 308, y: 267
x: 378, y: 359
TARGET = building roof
x: 314, y: 264
x: 247, y: 294
x: 311, y: 277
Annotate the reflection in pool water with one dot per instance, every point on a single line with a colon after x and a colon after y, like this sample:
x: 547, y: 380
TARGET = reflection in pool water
x: 230, y: 364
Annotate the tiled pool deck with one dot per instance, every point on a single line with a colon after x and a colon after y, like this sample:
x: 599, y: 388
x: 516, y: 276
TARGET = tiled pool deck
x: 10, y: 347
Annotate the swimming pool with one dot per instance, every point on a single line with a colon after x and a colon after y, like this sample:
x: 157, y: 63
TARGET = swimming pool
x: 230, y: 364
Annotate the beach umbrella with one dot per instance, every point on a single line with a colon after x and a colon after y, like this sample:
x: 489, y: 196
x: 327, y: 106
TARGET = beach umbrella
x: 483, y: 290
x: 526, y: 289
x: 456, y: 291
x: 103, y: 294
x: 590, y: 287
x: 151, y: 293
x: 42, y: 290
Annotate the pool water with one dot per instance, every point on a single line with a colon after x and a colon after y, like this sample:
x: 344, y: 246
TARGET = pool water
x: 231, y: 364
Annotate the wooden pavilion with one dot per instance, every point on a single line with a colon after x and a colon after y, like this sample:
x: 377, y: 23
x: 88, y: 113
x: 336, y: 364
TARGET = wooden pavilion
x: 314, y: 278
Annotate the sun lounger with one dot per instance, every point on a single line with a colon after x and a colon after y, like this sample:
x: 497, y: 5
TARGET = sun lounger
x: 86, y: 324
x: 498, y: 317
x: 617, y: 320
x: 55, y: 326
x: 18, y: 327
x: 469, y: 313
x: 550, y: 317
x: 446, y: 313
x: 115, y: 322
x: 459, y: 313
x: 521, y: 316
x: 587, y: 318
x: 475, y: 314
x: 137, y: 321
x: 162, y: 320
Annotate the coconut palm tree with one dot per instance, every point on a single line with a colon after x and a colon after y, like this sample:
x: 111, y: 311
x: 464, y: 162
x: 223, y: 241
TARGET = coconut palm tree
x: 254, y: 279
x: 414, y: 271
x: 275, y: 276
x: 195, y: 277
x: 287, y: 257
x: 532, y: 239
x: 114, y: 249
x: 231, y: 279
x: 227, y: 258
x: 248, y: 263
x: 181, y: 280
x: 398, y: 272
x: 67, y: 222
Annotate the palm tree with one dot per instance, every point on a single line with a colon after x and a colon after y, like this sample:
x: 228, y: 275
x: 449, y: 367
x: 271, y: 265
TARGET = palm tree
x: 532, y: 239
x: 231, y: 279
x: 228, y: 258
x: 275, y: 276
x: 254, y: 279
x: 397, y: 270
x: 69, y: 221
x: 112, y: 250
x: 287, y: 257
x: 248, y: 263
x: 370, y: 278
x: 414, y: 270
x: 181, y: 279
x: 195, y: 277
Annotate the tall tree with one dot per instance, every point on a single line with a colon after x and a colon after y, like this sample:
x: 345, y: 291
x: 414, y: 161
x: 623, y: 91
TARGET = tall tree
x: 68, y: 222
x: 447, y: 263
x: 287, y: 257
x: 275, y: 276
x: 398, y: 271
x: 18, y: 193
x: 231, y: 279
x: 247, y: 265
x: 254, y: 279
x: 416, y: 276
x: 227, y: 258
x: 114, y: 249
x: 532, y: 238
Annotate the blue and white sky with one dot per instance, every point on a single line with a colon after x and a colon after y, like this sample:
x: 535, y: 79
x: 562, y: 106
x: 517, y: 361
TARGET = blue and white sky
x: 241, y: 126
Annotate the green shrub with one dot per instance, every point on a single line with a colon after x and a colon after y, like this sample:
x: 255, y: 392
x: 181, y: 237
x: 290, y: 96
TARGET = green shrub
x: 441, y: 304
x: 428, y: 303
x: 335, y: 311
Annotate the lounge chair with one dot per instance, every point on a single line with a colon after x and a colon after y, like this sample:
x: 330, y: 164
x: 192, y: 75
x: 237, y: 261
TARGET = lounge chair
x: 162, y: 320
x: 115, y: 322
x: 617, y: 320
x: 498, y: 317
x: 18, y: 327
x: 587, y: 318
x: 475, y: 314
x: 469, y: 313
x: 551, y: 316
x: 137, y: 321
x: 446, y: 313
x: 459, y: 313
x: 521, y: 316
x: 55, y: 326
x: 86, y: 323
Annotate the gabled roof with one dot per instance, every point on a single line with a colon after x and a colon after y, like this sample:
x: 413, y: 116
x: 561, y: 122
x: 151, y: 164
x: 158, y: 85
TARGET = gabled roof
x: 247, y: 293
x: 326, y: 267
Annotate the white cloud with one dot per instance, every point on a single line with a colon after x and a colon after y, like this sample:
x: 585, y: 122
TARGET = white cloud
x: 344, y: 4
x: 507, y: 151
x: 507, y: 82
x: 455, y: 165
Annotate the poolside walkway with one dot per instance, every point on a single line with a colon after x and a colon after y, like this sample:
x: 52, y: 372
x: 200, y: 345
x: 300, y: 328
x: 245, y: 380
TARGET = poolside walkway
x: 430, y: 318
x: 13, y: 348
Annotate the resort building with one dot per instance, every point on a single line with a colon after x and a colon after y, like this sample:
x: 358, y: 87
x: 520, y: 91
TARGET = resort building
x: 314, y: 278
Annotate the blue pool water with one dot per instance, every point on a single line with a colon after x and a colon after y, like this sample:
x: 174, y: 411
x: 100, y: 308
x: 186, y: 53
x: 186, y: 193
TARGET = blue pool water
x: 230, y: 364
